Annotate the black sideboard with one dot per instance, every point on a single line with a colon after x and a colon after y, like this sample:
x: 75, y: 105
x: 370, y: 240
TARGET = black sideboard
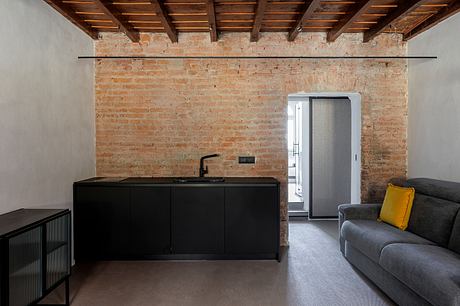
x: 158, y: 218
x: 35, y: 254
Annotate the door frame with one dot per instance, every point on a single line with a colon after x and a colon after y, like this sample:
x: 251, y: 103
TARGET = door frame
x: 355, y: 102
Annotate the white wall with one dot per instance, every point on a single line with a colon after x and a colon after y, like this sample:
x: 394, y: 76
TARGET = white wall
x: 434, y: 103
x: 46, y: 106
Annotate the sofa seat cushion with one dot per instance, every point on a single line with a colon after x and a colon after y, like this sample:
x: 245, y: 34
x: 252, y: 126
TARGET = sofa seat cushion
x: 431, y: 271
x: 370, y: 237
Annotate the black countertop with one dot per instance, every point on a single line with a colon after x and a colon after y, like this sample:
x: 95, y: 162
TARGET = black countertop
x: 21, y: 218
x: 171, y: 181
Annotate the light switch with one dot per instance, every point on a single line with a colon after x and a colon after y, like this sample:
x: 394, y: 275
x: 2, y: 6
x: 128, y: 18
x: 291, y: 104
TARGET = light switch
x: 246, y: 159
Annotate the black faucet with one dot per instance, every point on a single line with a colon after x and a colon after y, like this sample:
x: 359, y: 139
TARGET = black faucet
x: 204, y: 171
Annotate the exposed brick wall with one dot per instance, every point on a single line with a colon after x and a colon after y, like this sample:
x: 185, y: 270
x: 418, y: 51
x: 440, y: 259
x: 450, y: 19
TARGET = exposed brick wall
x: 157, y: 117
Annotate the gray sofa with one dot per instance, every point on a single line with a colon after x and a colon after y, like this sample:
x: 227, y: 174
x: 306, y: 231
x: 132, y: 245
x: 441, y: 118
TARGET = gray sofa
x: 419, y: 266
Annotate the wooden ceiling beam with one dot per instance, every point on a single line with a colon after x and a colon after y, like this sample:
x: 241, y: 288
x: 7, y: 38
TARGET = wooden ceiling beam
x: 260, y: 12
x: 443, y: 14
x: 307, y: 12
x: 68, y: 13
x: 405, y: 8
x: 356, y: 11
x: 212, y: 20
x: 115, y: 16
x: 162, y: 13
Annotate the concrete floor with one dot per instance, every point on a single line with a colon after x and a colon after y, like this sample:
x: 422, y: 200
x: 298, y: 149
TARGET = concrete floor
x: 312, y: 272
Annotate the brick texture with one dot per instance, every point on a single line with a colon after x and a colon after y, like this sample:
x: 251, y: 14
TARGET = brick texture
x: 157, y: 117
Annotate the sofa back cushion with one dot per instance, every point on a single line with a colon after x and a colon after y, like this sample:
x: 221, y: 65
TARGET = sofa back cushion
x: 454, y: 242
x: 436, y: 188
x: 434, y: 210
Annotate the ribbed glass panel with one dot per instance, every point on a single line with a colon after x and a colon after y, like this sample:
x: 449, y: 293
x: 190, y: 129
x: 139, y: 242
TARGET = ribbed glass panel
x: 25, y: 252
x: 330, y: 155
x: 57, y: 250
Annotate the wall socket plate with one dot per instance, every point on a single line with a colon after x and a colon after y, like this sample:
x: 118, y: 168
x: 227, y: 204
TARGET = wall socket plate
x: 246, y: 159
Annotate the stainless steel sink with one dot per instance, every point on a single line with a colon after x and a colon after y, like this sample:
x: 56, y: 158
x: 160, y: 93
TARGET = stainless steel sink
x: 199, y: 180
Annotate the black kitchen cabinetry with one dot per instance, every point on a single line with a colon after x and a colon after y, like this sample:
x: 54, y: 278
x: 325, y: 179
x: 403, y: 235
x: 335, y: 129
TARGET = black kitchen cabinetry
x: 198, y: 220
x: 159, y: 218
x: 249, y: 223
x: 102, y: 221
x: 150, y: 221
x: 34, y: 255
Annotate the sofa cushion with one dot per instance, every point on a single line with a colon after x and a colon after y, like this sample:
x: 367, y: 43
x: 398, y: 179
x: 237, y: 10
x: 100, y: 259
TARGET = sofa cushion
x: 370, y: 237
x: 446, y: 190
x: 397, y: 206
x: 431, y: 271
x: 454, y: 242
x: 432, y: 218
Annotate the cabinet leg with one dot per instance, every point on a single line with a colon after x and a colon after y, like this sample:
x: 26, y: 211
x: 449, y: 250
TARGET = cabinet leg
x: 67, y: 292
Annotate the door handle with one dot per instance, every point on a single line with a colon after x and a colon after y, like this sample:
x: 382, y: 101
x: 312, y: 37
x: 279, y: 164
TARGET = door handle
x: 294, y: 151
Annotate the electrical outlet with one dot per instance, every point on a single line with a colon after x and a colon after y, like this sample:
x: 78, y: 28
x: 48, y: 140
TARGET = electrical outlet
x: 246, y: 159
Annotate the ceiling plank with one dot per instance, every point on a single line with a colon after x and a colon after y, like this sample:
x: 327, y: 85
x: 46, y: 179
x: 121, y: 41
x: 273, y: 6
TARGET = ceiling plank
x: 162, y: 13
x: 68, y: 13
x: 212, y: 20
x: 443, y: 14
x: 307, y: 13
x: 356, y: 11
x: 113, y: 14
x: 260, y: 12
x: 405, y: 8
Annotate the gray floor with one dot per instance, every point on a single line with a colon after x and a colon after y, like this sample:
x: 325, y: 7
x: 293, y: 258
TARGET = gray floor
x: 312, y: 272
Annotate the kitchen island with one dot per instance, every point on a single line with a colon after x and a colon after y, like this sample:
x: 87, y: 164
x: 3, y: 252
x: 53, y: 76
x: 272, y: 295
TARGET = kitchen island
x: 176, y: 218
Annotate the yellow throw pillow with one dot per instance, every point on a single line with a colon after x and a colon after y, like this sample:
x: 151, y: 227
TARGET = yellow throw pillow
x: 397, y: 206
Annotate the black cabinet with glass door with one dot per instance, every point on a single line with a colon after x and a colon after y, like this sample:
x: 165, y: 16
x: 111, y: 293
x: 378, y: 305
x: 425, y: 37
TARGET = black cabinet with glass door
x: 35, y: 254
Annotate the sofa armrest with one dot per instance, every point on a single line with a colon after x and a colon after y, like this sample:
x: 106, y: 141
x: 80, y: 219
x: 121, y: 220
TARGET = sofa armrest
x: 360, y: 211
x: 356, y: 211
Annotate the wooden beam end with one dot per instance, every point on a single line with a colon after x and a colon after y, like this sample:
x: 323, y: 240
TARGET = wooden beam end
x: 293, y: 34
x: 308, y: 11
x: 260, y: 12
x: 331, y: 37
x: 212, y: 20
x: 367, y: 38
x: 254, y: 37
x: 406, y: 36
x: 94, y: 35
x: 162, y: 13
x: 134, y: 36
x: 174, y: 38
x: 213, y: 33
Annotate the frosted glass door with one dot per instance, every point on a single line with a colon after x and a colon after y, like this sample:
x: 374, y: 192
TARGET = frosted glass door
x: 330, y: 167
x: 57, y: 250
x: 25, y: 263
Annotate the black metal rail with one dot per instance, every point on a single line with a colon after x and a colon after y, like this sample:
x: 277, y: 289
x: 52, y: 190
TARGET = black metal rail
x: 166, y: 57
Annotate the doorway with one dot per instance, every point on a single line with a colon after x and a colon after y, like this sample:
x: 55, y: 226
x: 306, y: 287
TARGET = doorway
x: 324, y: 133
